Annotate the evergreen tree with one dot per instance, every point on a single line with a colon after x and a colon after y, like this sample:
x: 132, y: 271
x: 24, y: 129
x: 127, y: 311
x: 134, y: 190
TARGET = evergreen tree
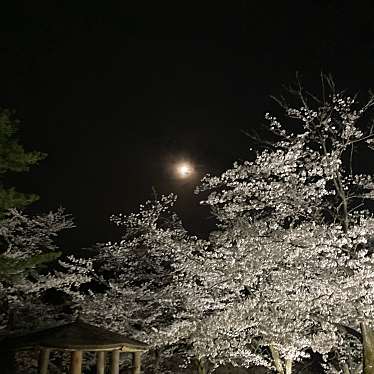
x: 13, y: 159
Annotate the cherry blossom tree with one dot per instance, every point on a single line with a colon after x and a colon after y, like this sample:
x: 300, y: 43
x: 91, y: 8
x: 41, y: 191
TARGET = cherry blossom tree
x: 295, y: 236
x: 29, y: 268
x: 144, y: 293
x: 288, y: 270
x: 28, y: 244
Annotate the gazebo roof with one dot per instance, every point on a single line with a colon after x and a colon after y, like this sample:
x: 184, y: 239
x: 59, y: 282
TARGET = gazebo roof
x: 74, y: 336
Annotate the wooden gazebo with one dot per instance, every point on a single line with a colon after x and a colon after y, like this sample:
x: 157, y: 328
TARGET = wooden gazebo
x: 78, y: 337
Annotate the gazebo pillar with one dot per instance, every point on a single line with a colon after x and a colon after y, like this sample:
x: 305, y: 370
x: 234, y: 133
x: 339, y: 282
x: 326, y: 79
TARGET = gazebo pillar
x: 43, y: 360
x: 100, y: 362
x: 115, y: 362
x: 76, y: 362
x: 136, y: 362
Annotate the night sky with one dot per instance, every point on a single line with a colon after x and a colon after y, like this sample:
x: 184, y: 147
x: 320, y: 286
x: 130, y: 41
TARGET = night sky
x: 116, y: 94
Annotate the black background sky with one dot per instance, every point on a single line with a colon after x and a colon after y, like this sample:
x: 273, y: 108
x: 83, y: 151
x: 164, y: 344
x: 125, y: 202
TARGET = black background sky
x: 116, y: 92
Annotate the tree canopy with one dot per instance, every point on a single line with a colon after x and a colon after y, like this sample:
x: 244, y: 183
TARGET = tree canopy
x: 288, y: 271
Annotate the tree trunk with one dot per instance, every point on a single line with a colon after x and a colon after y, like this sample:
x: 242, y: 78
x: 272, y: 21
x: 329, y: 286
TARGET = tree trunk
x: 156, y: 364
x: 358, y: 369
x: 346, y: 369
x: 288, y: 366
x: 201, y: 366
x: 368, y: 348
x: 276, y: 358
x: 8, y: 358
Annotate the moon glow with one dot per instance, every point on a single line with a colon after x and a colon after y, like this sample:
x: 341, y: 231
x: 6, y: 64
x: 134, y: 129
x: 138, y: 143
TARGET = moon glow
x: 184, y: 170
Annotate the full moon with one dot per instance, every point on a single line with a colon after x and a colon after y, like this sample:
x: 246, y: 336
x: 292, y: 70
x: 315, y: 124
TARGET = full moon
x: 184, y: 170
